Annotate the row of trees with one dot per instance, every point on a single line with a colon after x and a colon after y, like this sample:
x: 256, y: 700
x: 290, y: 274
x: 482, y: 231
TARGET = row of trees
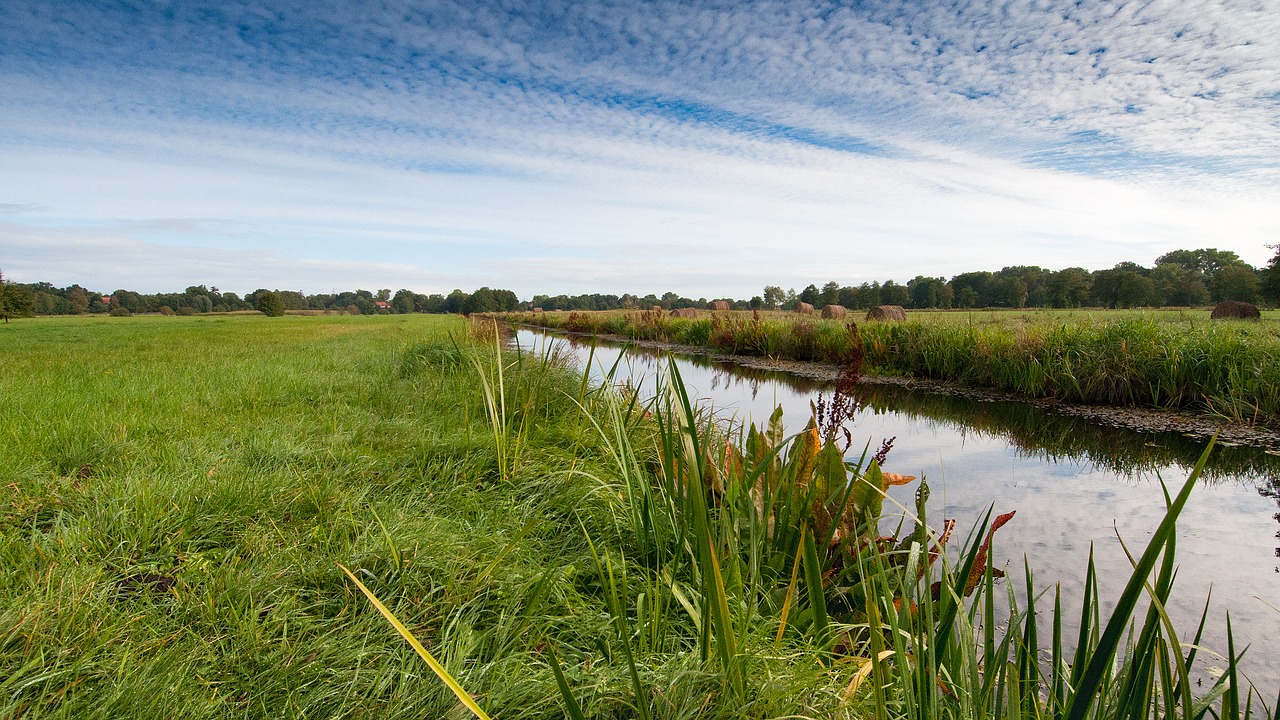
x: 42, y: 298
x: 1182, y: 278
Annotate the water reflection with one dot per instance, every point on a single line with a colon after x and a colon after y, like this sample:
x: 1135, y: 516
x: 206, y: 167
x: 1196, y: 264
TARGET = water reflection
x: 1076, y: 485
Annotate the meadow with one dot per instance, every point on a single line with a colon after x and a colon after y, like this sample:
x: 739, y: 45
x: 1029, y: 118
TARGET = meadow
x: 185, y: 497
x: 1160, y: 358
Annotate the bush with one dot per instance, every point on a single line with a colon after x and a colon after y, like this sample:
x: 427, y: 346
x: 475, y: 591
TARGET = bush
x: 166, y: 310
x: 120, y: 311
x: 270, y: 304
x: 186, y: 311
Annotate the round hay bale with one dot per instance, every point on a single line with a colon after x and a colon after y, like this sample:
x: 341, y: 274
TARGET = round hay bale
x: 719, y: 305
x: 804, y: 308
x: 1233, y: 309
x: 887, y: 313
x: 537, y: 310
x: 834, y: 312
x: 657, y: 308
x: 684, y: 313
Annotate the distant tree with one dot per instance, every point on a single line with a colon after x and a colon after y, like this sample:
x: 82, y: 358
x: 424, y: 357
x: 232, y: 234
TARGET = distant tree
x: 405, y: 301
x: 454, y: 302
x: 433, y: 303
x: 1033, y: 290
x: 4, y: 300
x: 1206, y: 261
x: 78, y: 298
x: 1009, y: 291
x: 20, y: 300
x: 1179, y: 286
x: 384, y: 295
x: 293, y: 299
x: 269, y: 303
x: 1133, y: 267
x: 480, y: 301
x: 1235, y: 282
x: 131, y: 301
x: 1067, y: 288
x: 811, y: 295
x: 927, y: 292
x: 507, y: 301
x: 1270, y: 279
x: 773, y: 297
x: 1124, y: 288
x: 973, y: 289
x: 891, y: 293
x: 830, y: 294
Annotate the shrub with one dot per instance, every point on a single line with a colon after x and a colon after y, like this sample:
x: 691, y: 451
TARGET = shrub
x: 185, y: 311
x: 120, y: 311
x: 166, y: 310
x: 270, y: 304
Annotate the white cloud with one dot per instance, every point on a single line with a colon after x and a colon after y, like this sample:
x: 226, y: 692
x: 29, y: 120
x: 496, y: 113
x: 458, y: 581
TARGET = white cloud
x: 663, y: 140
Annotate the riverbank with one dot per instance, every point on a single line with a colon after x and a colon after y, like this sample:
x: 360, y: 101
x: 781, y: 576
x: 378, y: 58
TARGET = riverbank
x: 1200, y: 426
x: 1166, y: 374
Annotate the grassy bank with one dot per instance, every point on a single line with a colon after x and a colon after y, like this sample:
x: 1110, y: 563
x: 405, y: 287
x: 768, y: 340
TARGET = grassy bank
x: 181, y: 491
x: 1170, y: 359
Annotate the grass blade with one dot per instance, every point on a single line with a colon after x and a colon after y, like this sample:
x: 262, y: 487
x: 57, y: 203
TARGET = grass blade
x: 463, y: 696
x: 571, y: 706
x: 1100, y: 661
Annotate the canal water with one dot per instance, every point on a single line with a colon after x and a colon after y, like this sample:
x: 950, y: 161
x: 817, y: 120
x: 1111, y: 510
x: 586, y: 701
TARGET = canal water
x: 1074, y: 484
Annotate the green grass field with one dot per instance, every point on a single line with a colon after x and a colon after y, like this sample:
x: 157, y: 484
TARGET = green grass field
x: 178, y: 495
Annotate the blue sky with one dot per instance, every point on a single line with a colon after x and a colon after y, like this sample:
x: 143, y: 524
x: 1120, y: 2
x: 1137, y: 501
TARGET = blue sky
x: 703, y: 147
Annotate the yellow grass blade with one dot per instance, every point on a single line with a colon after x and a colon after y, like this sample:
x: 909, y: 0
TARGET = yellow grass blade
x: 791, y: 593
x: 463, y: 696
x: 861, y: 676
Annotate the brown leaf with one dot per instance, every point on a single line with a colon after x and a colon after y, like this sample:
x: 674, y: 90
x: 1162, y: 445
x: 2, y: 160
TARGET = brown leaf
x: 891, y: 479
x: 980, y: 562
x: 947, y: 526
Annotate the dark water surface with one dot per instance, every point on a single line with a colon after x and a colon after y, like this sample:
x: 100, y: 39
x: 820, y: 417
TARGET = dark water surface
x: 1073, y: 483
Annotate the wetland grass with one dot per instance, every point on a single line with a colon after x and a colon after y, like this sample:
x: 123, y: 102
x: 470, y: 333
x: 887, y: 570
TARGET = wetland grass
x: 181, y: 494
x: 1230, y: 369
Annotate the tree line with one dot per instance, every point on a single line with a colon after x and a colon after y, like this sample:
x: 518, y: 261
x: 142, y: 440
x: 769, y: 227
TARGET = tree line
x: 42, y: 298
x: 1182, y: 278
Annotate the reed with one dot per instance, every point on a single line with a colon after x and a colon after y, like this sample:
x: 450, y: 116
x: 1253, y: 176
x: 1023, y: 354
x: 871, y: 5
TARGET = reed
x: 1228, y: 369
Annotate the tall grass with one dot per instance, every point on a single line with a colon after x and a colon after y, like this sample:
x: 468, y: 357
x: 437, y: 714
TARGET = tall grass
x: 1226, y: 368
x: 738, y: 542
